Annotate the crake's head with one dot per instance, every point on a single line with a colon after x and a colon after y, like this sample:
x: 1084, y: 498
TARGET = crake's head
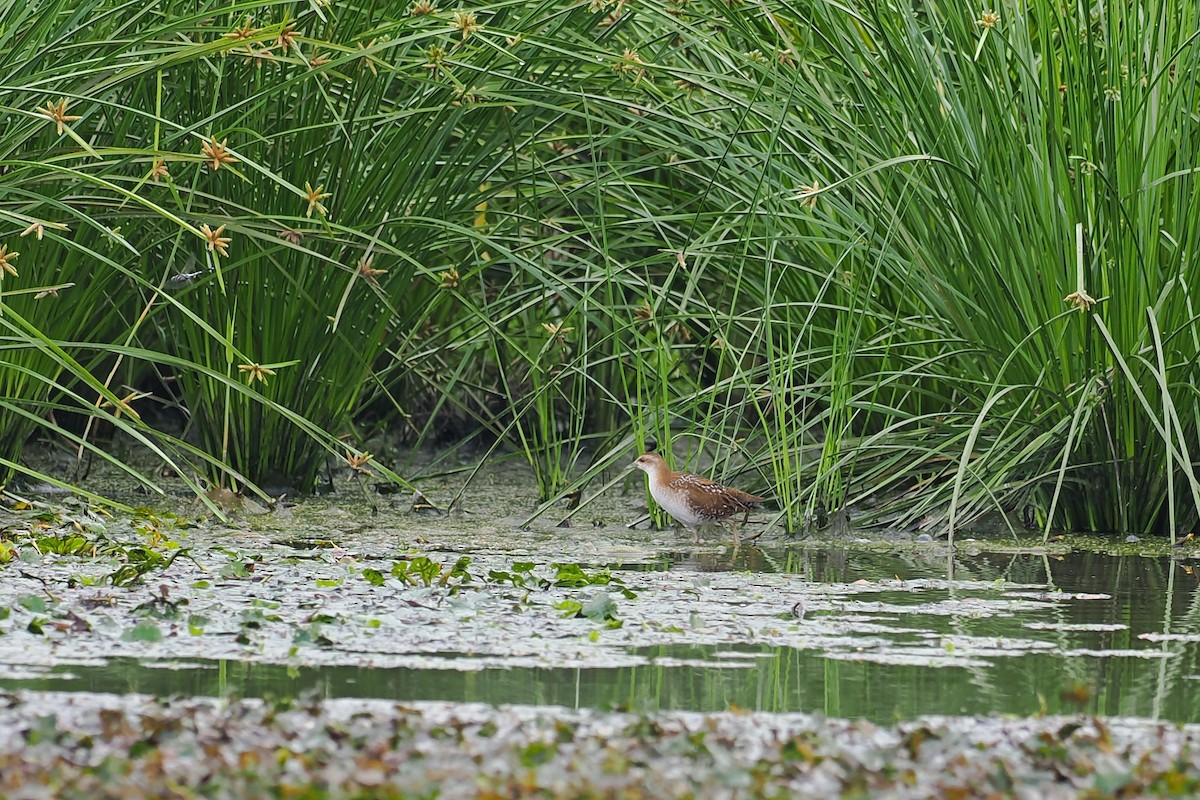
x: 649, y: 462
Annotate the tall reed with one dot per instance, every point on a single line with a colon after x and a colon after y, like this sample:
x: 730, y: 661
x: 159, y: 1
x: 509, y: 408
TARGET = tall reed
x: 920, y: 264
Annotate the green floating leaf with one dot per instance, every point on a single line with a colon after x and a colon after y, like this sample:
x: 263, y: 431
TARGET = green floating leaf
x: 573, y: 576
x: 67, y: 545
x: 459, y: 570
x: 500, y: 576
x: 373, y: 576
x: 425, y: 568
x: 44, y: 729
x: 33, y: 602
x: 537, y: 753
x: 144, y: 631
x: 600, y: 606
x: 570, y: 608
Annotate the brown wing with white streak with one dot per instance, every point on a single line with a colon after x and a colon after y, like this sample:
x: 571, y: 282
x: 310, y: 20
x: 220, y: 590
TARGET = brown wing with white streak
x: 712, y: 499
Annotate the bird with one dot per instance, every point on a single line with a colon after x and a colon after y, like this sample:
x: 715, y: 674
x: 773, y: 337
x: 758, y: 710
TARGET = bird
x: 691, y: 499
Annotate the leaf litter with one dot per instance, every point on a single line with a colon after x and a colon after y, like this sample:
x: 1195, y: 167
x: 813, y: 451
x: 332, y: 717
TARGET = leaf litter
x: 99, y: 746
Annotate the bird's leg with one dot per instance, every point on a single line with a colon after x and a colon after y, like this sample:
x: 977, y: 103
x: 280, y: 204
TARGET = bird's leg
x: 737, y: 528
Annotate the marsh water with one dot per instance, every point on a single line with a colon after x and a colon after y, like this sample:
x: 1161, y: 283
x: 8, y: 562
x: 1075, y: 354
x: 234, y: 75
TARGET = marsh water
x: 844, y: 631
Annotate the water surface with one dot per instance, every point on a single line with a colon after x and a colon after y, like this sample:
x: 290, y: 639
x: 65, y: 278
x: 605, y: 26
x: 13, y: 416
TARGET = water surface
x: 883, y: 636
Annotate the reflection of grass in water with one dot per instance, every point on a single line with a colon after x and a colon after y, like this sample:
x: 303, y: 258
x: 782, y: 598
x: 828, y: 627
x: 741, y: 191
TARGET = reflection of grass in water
x: 779, y: 680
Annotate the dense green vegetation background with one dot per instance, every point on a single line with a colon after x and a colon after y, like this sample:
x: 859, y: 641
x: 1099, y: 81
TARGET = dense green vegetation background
x: 921, y: 262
